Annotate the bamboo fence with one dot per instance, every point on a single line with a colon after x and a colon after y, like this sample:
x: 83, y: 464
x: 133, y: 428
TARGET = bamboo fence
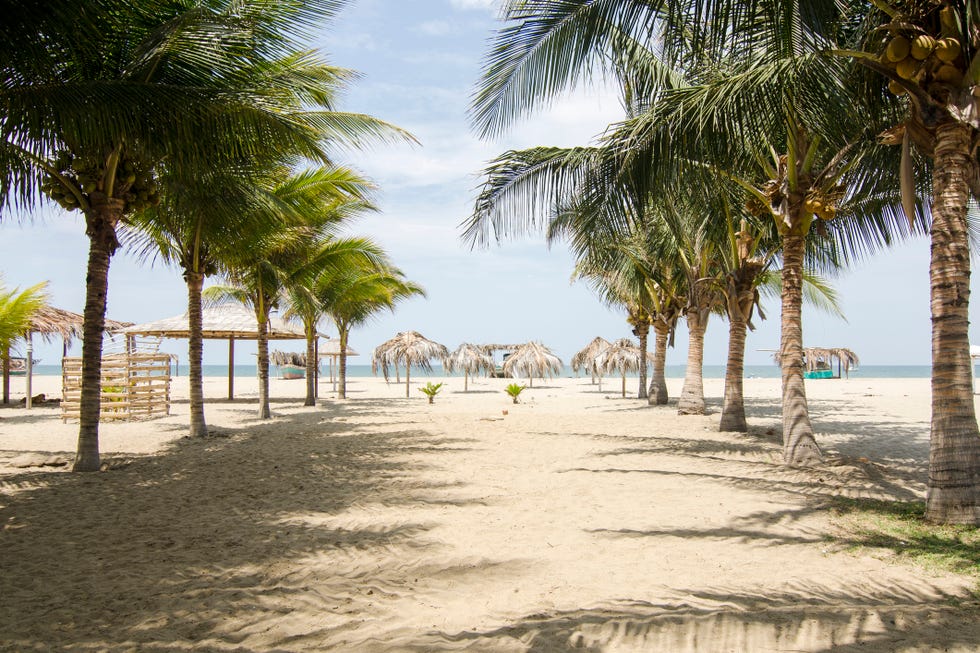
x: 134, y: 386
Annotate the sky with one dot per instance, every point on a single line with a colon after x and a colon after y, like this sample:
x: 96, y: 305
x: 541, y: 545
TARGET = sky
x: 419, y: 63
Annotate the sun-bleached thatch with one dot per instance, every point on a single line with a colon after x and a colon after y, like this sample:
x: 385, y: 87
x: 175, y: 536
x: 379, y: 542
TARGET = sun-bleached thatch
x: 407, y: 348
x: 621, y: 356
x: 50, y: 322
x: 287, y: 358
x: 532, y: 359
x: 586, y: 358
x: 824, y: 358
x: 469, y: 359
x: 219, y: 322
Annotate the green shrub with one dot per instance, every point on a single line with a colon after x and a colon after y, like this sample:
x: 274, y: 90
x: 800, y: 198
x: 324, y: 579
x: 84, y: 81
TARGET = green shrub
x: 514, y: 391
x: 430, y: 390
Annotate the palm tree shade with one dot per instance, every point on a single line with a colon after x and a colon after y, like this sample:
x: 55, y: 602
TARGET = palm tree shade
x: 532, y: 359
x: 585, y: 358
x: 622, y: 356
x: 469, y: 359
x: 407, y: 348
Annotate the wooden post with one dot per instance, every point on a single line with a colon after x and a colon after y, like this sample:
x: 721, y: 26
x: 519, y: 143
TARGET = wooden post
x: 29, y: 337
x: 6, y: 376
x: 316, y: 368
x: 231, y: 368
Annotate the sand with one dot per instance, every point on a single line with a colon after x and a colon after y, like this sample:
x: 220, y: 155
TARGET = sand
x: 576, y: 520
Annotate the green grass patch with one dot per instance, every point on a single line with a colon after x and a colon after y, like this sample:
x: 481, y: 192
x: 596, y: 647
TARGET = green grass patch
x: 898, y: 527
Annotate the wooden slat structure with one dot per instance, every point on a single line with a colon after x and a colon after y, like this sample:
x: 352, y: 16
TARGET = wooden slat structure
x: 134, y: 386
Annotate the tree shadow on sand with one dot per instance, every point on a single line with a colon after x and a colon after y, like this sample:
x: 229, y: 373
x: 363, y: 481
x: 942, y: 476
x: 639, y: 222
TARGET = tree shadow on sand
x: 214, y: 544
x: 859, y: 617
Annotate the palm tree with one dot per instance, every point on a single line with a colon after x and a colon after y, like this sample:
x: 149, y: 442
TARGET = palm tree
x: 17, y: 307
x: 92, y: 110
x: 763, y: 104
x: 409, y: 348
x: 354, y: 294
x: 937, y: 85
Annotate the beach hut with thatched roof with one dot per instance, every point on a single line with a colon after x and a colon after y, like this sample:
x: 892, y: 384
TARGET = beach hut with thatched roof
x: 622, y: 356
x: 407, y: 348
x: 469, y: 359
x: 331, y: 349
x: 223, y: 322
x: 50, y: 323
x: 586, y: 358
x: 532, y: 359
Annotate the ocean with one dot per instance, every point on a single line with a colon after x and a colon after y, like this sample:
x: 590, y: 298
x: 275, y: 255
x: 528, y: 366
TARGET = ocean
x: 673, y: 371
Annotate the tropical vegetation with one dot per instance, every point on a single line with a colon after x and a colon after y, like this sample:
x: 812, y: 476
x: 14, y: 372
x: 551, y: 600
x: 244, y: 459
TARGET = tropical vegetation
x: 785, y: 101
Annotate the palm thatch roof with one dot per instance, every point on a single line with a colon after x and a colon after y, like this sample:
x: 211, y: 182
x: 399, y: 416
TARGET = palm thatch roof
x: 816, y: 358
x: 50, y: 322
x: 533, y: 359
x: 409, y: 348
x: 331, y: 347
x: 469, y: 358
x: 586, y: 358
x: 621, y: 356
x: 287, y: 358
x: 222, y: 321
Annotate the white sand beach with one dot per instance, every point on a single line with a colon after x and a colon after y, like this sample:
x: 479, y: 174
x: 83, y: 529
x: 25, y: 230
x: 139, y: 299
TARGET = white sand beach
x: 575, y: 520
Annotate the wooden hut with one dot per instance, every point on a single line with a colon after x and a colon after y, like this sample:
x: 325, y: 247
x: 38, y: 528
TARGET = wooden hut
x: 820, y: 362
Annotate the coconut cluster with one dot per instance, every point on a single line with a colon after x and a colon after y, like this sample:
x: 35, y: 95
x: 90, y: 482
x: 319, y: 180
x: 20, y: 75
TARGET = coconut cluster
x: 823, y: 204
x: 84, y: 176
x: 923, y: 55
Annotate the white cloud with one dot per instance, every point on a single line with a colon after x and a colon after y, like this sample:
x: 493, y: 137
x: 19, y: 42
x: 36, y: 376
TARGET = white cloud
x: 475, y: 4
x: 435, y: 27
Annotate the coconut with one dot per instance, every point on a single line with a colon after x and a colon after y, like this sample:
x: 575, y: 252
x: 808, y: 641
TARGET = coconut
x: 896, y: 88
x: 898, y: 48
x: 906, y: 68
x: 947, y: 50
x: 922, y: 47
x: 949, y: 75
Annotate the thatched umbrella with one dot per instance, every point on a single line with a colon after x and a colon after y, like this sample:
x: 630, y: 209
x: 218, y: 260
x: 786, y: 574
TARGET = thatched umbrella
x: 585, y: 359
x: 622, y: 356
x: 409, y: 348
x: 532, y: 359
x: 469, y: 359
x: 822, y: 358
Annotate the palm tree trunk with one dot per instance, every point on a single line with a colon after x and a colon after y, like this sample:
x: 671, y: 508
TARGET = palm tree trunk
x: 263, y: 365
x: 692, y: 394
x: 799, y: 445
x: 643, y: 333
x: 466, y: 381
x: 101, y: 223
x: 310, y: 365
x: 658, y: 382
x: 342, y: 366
x: 195, y: 353
x: 733, y: 409
x: 953, y: 495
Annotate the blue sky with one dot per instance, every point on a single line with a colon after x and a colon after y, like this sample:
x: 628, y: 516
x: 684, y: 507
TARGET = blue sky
x: 419, y: 62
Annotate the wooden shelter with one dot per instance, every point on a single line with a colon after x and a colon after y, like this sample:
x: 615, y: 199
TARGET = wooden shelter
x: 225, y: 322
x: 331, y: 349
x: 408, y: 348
x: 622, y: 356
x: 469, y: 359
x: 49, y: 323
x: 586, y: 358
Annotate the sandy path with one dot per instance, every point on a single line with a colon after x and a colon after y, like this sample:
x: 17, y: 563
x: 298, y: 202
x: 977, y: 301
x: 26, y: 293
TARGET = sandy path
x: 578, y: 521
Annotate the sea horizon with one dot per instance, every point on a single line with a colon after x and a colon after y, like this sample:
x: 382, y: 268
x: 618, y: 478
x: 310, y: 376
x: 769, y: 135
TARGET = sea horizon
x: 672, y: 371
